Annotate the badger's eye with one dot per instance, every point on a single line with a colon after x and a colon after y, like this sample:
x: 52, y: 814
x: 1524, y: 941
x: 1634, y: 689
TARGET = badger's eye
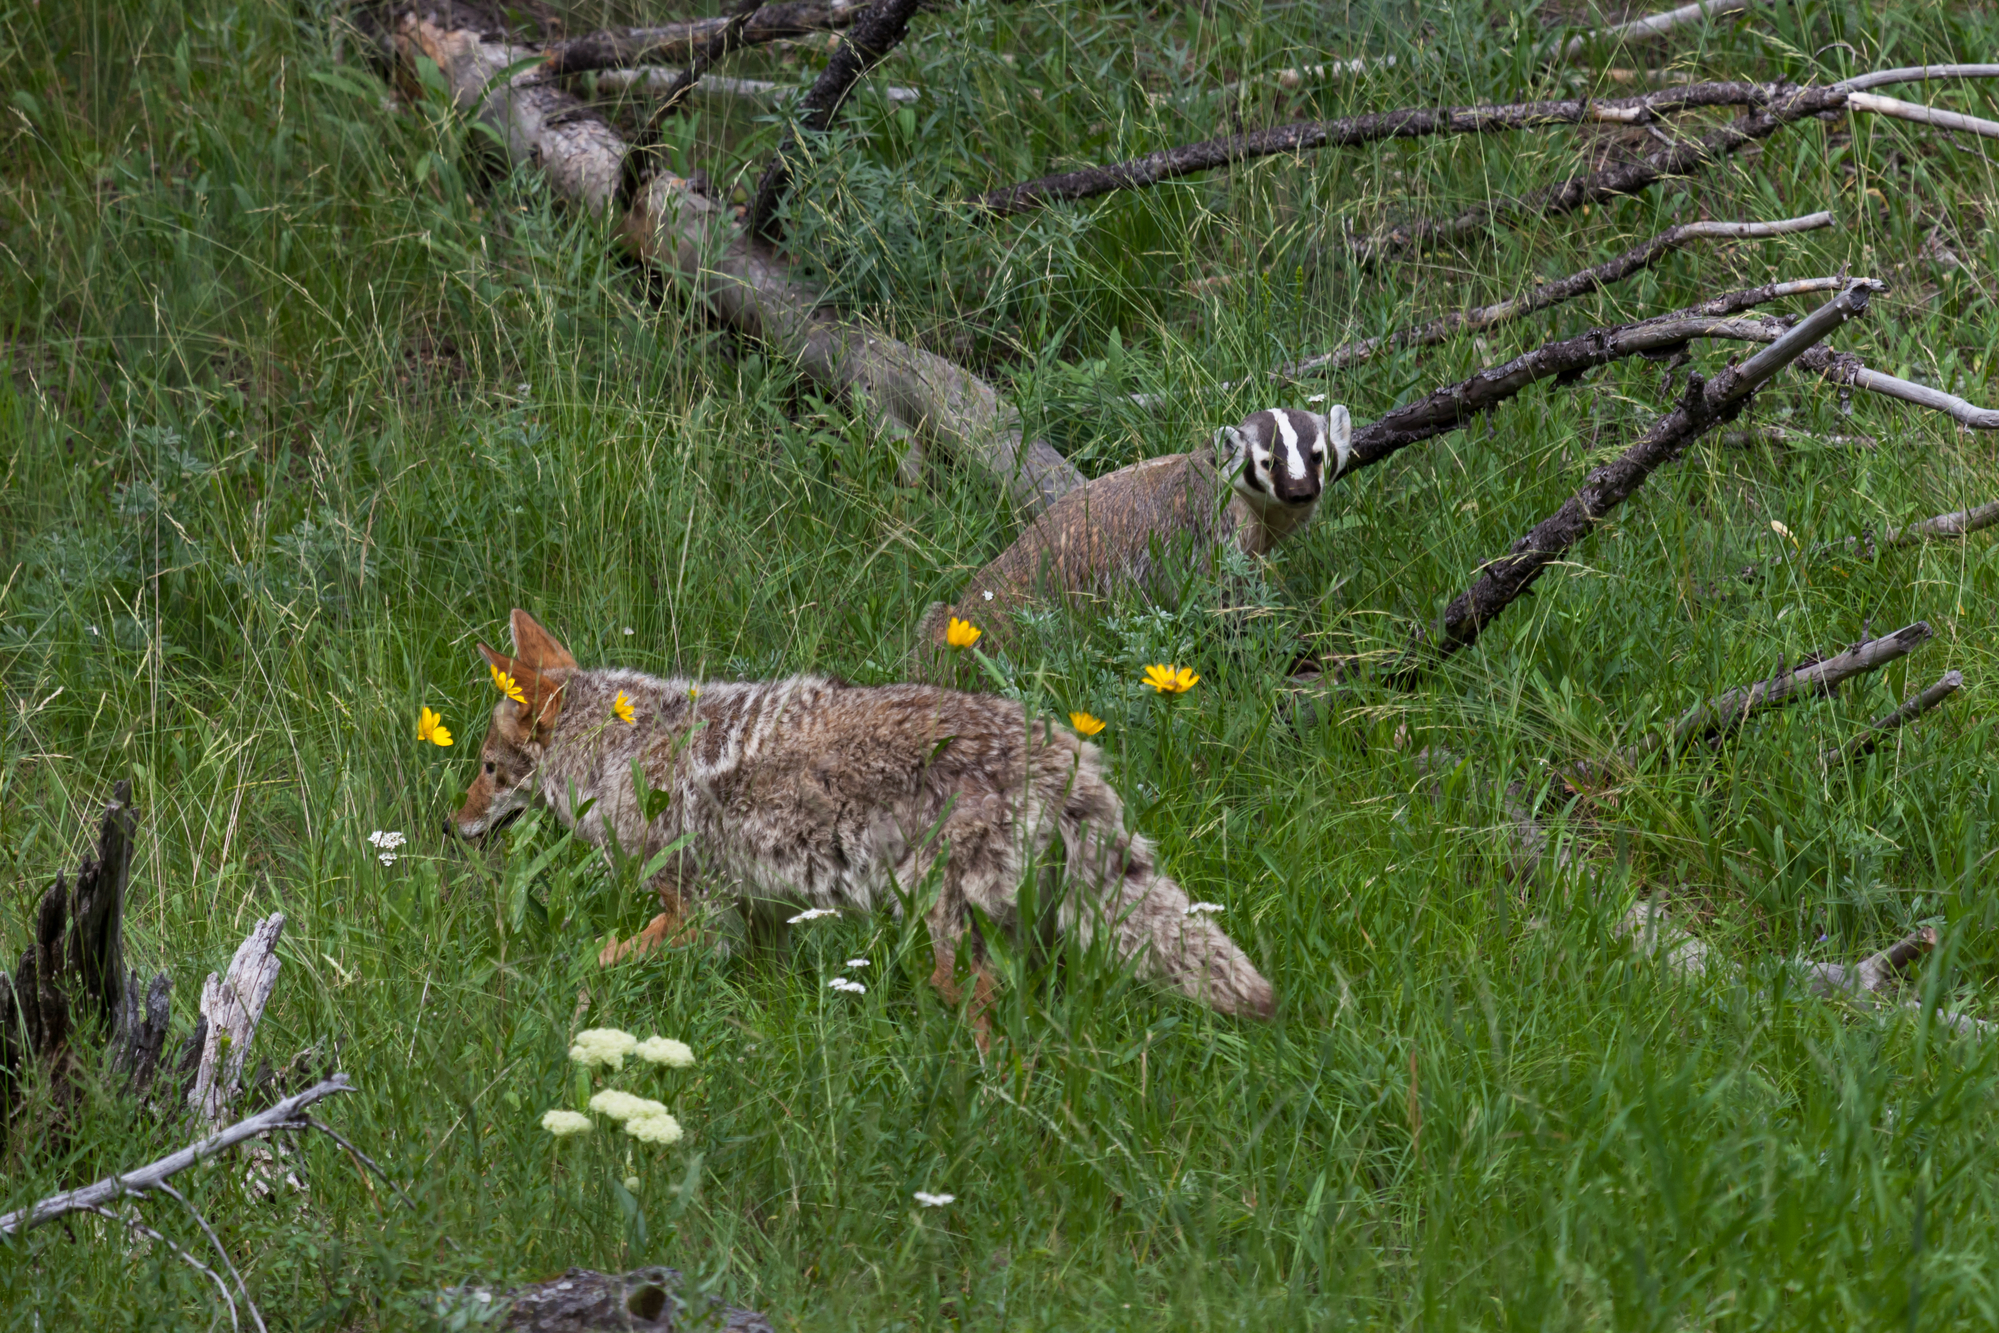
x: 489, y: 766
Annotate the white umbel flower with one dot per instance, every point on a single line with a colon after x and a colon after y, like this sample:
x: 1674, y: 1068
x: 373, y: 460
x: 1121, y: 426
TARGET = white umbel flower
x: 848, y: 986
x: 810, y: 914
x: 386, y: 841
x: 665, y: 1051
x: 602, y: 1046
x: 1198, y: 909
x: 563, y: 1124
x: 929, y: 1200
x: 857, y: 962
x: 615, y: 1105
x: 661, y: 1129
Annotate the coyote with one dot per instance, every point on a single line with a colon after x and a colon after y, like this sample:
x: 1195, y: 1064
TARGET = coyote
x: 809, y: 792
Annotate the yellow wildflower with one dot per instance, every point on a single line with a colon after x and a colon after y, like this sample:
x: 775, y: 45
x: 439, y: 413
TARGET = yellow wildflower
x: 665, y: 1051
x: 430, y: 727
x: 562, y: 1124
x: 615, y: 1105
x: 661, y: 1128
x: 602, y: 1046
x: 507, y: 686
x: 961, y: 633
x: 1086, y: 725
x: 621, y: 708
x: 1170, y: 679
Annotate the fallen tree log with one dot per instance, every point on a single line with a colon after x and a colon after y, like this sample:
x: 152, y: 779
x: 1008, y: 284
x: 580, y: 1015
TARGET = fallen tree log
x: 741, y: 283
x: 653, y: 80
x: 616, y: 48
x: 1705, y: 405
x: 584, y: 1301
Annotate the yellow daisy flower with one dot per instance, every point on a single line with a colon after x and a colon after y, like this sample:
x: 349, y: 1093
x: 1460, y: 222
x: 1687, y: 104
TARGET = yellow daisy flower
x: 1085, y: 724
x: 961, y: 633
x: 430, y: 727
x: 1170, y: 679
x: 621, y: 708
x: 506, y: 685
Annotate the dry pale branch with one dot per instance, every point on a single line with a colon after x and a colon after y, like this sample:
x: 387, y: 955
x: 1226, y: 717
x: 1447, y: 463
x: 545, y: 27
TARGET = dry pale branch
x: 1867, y: 741
x: 287, y: 1114
x: 618, y: 48
x: 1788, y: 437
x: 704, y: 56
x: 231, y: 1006
x: 1844, y: 368
x: 137, y: 1227
x: 1957, y: 523
x: 1654, y: 27
x: 1544, y: 295
x: 877, y: 33
x: 583, y: 1301
x: 1726, y: 712
x: 1704, y: 405
x: 652, y: 80
x: 1922, y: 115
x: 741, y: 284
x: 1372, y: 127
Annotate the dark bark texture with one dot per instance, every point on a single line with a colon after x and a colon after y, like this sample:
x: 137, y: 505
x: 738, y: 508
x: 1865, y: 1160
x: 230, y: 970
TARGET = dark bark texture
x: 71, y: 987
x: 1704, y: 405
x: 1349, y: 131
x: 728, y: 38
x: 1681, y: 158
x: 876, y: 34
x: 583, y: 1301
x: 621, y: 48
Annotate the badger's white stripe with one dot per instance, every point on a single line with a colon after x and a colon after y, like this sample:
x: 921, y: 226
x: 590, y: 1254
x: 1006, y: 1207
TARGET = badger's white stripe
x: 1294, y: 457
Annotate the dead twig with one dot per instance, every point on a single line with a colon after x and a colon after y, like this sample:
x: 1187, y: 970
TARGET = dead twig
x: 1372, y: 127
x: 652, y: 80
x: 1957, y: 523
x: 1846, y: 369
x: 645, y: 147
x: 1867, y: 741
x: 1635, y: 260
x: 1653, y: 27
x: 135, y: 1225
x: 1922, y: 115
x: 618, y: 48
x: 284, y: 1115
x: 876, y: 34
x: 1704, y: 405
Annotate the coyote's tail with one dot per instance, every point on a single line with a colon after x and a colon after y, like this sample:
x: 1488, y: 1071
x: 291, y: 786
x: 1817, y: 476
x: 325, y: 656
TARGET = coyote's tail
x: 1115, y: 885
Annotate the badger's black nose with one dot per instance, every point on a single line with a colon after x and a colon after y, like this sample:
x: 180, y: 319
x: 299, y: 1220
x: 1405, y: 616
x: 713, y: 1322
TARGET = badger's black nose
x: 450, y: 828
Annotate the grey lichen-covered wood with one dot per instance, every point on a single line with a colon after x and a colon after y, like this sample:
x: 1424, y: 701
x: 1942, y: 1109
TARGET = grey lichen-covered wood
x: 231, y: 1006
x: 584, y: 1301
x: 744, y: 285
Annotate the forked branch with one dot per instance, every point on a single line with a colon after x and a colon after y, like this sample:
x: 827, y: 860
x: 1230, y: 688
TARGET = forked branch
x: 1877, y: 731
x: 620, y: 48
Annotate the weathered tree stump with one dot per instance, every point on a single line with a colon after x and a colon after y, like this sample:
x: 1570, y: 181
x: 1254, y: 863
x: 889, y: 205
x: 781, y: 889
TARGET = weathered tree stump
x: 583, y: 1301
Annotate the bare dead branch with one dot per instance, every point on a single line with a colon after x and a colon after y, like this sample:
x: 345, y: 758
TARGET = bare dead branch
x: 1654, y: 27
x: 644, y: 148
x: 652, y: 80
x: 873, y: 36
x: 1957, y: 523
x: 135, y: 1225
x: 1704, y: 405
x: 1867, y: 741
x: 256, y: 1315
x: 1787, y: 436
x: 1845, y: 368
x: 1544, y: 295
x: 618, y: 48
x: 1922, y: 115
x: 1349, y: 131
x: 1881, y: 78
x: 283, y: 1115
x: 741, y: 284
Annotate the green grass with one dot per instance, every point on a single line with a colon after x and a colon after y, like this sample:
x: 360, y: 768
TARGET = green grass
x: 301, y: 397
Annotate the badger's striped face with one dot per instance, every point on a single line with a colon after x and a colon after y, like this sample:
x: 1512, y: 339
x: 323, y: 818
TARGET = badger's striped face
x: 1279, y: 456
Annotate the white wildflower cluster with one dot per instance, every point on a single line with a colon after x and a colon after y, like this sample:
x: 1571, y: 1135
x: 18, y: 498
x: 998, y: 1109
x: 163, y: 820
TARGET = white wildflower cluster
x: 810, y: 914
x: 857, y: 962
x: 1199, y: 909
x: 665, y: 1051
x: 929, y: 1200
x: 607, y: 1047
x: 848, y: 986
x: 385, y: 845
x: 643, y: 1118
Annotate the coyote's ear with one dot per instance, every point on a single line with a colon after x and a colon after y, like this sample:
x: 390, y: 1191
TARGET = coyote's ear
x: 541, y: 696
x: 536, y: 647
x: 1339, y: 430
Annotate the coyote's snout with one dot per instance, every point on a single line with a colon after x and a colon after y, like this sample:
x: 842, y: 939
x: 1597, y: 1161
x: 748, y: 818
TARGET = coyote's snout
x: 808, y: 792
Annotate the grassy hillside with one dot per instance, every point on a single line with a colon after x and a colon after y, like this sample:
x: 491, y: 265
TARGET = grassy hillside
x: 302, y: 396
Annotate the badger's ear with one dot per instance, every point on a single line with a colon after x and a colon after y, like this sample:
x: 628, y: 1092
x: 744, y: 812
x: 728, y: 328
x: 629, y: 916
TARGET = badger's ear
x: 1339, y: 432
x: 1230, y: 448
